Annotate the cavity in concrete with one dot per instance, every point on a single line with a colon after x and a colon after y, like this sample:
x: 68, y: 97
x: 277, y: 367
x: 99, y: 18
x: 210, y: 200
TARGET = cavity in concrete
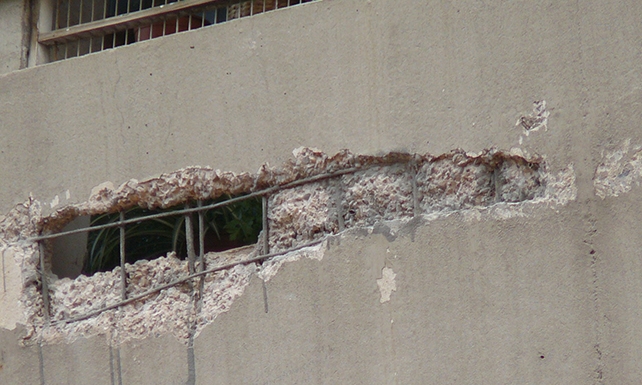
x: 368, y: 193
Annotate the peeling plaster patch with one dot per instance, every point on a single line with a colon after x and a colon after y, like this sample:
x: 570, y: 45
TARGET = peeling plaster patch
x: 386, y: 284
x: 535, y: 120
x: 272, y: 266
x: 619, y: 170
x: 54, y: 202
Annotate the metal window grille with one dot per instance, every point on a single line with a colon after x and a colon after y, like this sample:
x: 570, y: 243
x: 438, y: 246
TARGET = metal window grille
x: 81, y: 27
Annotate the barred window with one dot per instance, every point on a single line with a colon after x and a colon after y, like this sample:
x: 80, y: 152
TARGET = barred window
x: 80, y: 27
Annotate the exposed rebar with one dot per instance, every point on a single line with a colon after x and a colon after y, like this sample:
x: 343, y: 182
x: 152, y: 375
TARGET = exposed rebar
x: 268, y: 191
x: 189, y: 239
x: 123, y: 273
x: 43, y: 280
x: 184, y: 279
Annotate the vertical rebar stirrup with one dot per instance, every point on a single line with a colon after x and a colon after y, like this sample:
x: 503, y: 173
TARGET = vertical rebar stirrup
x: 338, y: 201
x: 43, y: 280
x: 123, y: 273
x: 201, y: 250
x: 414, y: 169
x: 189, y: 239
x: 266, y: 243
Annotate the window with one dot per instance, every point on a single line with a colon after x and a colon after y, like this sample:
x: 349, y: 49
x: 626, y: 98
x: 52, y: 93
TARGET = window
x: 80, y: 27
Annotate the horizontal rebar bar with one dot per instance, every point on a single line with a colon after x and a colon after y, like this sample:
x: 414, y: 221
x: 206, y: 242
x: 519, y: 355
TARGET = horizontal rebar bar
x: 268, y: 191
x: 184, y: 279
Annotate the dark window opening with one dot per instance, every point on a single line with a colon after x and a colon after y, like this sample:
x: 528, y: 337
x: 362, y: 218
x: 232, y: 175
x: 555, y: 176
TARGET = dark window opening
x: 227, y: 227
x: 80, y: 27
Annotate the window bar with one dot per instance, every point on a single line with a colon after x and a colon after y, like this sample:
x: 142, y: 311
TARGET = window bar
x: 57, y: 21
x: 123, y: 273
x: 78, y: 47
x: 189, y: 240
x: 43, y: 280
x: 68, y: 14
x: 151, y: 34
x: 80, y: 12
x: 92, y: 11
x: 66, y: 50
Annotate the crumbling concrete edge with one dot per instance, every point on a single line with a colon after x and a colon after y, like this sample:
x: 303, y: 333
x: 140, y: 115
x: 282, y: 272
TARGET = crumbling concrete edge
x: 190, y: 183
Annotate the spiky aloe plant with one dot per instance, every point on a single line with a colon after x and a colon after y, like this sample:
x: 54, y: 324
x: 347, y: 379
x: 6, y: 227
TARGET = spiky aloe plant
x: 225, y: 227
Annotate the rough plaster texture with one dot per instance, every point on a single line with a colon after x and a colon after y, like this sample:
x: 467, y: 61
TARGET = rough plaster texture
x: 548, y: 293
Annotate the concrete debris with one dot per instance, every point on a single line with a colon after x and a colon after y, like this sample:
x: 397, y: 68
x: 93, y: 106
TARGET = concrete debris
x: 380, y: 193
x: 394, y: 187
x: 619, y: 170
x: 300, y: 215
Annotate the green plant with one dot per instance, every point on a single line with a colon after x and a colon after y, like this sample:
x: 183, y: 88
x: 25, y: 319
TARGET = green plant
x: 226, y: 227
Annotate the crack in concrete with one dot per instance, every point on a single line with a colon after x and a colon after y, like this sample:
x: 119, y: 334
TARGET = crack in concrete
x: 590, y: 232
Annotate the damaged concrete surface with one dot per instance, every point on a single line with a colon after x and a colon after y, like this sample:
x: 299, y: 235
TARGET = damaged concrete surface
x: 620, y: 170
x: 383, y: 194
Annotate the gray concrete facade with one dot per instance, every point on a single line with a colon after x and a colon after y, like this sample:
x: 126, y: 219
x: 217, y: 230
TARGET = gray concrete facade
x: 549, y: 296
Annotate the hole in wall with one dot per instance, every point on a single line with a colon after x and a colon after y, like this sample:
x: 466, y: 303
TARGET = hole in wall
x: 225, y: 228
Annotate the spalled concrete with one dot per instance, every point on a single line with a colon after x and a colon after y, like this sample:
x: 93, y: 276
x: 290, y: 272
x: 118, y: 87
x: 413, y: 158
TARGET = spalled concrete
x: 521, y: 289
x: 384, y: 191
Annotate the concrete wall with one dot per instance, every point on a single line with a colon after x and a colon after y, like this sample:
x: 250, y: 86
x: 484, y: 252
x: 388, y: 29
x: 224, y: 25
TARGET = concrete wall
x: 14, y: 37
x: 551, y: 297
